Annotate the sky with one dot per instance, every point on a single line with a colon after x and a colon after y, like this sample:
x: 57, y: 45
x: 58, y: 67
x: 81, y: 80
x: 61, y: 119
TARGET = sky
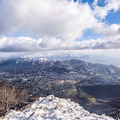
x: 54, y: 25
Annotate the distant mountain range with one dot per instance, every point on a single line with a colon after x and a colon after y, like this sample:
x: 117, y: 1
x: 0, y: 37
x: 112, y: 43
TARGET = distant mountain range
x: 57, y: 57
x: 73, y: 69
x: 65, y: 55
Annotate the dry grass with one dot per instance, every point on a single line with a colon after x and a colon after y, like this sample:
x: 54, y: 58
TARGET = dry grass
x: 1, y: 117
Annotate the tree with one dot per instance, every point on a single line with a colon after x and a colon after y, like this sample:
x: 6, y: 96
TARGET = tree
x: 7, y: 96
x: 22, y: 96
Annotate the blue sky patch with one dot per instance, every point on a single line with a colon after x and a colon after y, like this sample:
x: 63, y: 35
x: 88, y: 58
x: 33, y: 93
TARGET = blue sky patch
x: 89, y: 34
x: 113, y: 17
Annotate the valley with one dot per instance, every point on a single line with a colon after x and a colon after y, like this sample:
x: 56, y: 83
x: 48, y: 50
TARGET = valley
x: 94, y: 86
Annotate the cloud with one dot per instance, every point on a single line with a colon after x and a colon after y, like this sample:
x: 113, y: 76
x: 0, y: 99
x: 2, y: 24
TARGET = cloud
x: 109, y: 40
x: 11, y: 44
x: 55, y: 24
x: 102, y: 12
x: 47, y: 19
x: 22, y: 44
x: 112, y: 32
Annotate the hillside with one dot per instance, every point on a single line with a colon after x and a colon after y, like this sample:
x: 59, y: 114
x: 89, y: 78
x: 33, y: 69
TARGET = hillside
x: 54, y: 108
x: 66, y: 79
x: 24, y: 69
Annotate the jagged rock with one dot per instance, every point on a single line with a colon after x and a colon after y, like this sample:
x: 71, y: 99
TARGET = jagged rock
x: 54, y: 108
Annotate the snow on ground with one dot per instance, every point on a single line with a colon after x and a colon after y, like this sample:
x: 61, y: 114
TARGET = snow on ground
x: 54, y: 108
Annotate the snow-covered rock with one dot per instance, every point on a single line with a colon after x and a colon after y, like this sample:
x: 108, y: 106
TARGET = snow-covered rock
x: 54, y: 108
x: 29, y: 59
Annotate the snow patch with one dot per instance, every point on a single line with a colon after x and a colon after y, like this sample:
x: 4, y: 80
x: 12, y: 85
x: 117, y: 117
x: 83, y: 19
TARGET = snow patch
x: 54, y: 108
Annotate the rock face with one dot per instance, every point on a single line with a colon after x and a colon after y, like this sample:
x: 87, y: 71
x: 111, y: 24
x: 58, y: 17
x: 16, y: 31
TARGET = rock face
x: 53, y: 108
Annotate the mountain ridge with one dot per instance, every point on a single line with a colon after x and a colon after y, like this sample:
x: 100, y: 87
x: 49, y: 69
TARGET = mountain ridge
x: 85, y: 70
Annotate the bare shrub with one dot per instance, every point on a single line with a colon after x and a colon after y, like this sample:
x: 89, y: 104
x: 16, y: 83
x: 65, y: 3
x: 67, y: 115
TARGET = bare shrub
x: 7, y: 96
x: 22, y: 96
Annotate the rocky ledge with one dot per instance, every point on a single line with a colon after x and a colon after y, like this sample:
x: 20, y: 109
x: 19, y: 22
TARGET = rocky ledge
x: 54, y: 108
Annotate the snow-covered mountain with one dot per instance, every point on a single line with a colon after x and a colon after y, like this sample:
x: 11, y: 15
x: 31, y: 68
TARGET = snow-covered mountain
x: 45, y: 57
x: 33, y: 56
x: 28, y: 59
x: 52, y: 56
x: 54, y: 108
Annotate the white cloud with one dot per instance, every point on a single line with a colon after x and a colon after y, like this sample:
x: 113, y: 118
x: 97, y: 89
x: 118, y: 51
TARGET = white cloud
x: 112, y: 32
x: 56, y: 24
x: 8, y: 44
x: 103, y: 11
x: 47, y: 18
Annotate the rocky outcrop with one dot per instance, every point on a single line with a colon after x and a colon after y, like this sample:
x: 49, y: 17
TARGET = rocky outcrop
x: 54, y: 108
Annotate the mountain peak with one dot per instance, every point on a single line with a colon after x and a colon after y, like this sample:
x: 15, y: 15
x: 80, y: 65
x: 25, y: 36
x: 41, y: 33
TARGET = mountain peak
x: 54, y: 108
